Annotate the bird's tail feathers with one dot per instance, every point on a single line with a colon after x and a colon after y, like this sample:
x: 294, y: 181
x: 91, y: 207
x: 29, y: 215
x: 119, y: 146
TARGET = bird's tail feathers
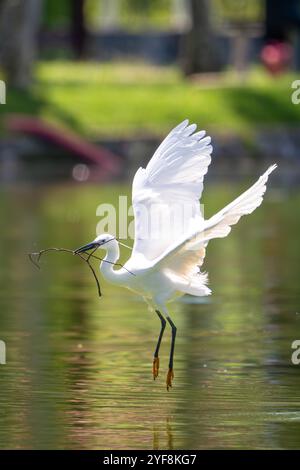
x: 195, y: 284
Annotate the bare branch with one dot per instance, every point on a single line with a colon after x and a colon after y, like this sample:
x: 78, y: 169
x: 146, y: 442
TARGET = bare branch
x: 36, y: 257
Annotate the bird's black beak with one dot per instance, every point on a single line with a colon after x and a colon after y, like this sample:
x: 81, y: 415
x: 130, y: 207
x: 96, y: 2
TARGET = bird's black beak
x: 83, y: 249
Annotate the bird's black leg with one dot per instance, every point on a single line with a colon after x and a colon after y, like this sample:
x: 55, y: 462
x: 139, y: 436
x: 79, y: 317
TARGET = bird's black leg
x: 170, y: 375
x: 156, y: 358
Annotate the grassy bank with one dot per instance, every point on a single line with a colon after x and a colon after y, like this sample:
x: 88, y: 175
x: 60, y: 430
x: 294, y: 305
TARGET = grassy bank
x: 122, y: 100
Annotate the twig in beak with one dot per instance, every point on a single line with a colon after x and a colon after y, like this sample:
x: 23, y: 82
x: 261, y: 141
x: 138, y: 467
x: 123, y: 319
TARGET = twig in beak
x: 38, y: 255
x: 93, y: 272
x: 41, y: 252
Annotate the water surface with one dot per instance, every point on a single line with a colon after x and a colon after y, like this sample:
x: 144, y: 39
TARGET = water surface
x: 78, y: 372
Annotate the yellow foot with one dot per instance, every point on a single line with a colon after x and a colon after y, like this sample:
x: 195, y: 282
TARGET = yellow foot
x: 155, y: 368
x: 170, y: 377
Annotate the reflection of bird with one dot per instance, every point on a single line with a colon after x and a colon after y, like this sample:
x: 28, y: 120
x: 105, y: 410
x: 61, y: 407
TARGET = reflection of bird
x: 170, y: 232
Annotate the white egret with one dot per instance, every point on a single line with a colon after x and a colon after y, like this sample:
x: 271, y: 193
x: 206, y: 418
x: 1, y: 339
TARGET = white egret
x: 168, y: 253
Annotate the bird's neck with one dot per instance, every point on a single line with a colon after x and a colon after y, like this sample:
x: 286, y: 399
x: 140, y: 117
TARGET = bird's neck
x: 107, y: 265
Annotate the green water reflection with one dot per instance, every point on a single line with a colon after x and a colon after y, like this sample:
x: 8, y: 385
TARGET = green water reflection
x: 78, y: 372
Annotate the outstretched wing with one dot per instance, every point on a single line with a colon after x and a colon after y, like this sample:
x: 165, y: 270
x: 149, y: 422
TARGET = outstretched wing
x: 181, y: 259
x: 166, y: 193
x: 220, y: 224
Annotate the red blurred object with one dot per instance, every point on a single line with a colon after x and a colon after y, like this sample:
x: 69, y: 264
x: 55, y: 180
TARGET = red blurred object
x: 109, y: 162
x: 276, y: 57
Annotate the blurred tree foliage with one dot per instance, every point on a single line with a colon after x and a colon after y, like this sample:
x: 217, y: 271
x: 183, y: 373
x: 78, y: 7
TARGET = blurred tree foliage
x: 132, y: 13
x: 153, y: 12
x: 239, y: 11
x: 135, y: 14
x: 56, y: 14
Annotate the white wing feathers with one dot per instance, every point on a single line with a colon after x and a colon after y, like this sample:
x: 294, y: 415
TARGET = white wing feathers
x: 170, y: 186
x: 172, y: 182
x: 180, y: 261
x: 220, y: 224
x: 181, y: 158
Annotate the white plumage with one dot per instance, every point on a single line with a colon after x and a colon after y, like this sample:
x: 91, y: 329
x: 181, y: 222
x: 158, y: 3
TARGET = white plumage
x: 171, y: 234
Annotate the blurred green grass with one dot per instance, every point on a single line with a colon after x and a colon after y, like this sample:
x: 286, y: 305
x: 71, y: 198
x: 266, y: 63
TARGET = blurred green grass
x: 123, y: 100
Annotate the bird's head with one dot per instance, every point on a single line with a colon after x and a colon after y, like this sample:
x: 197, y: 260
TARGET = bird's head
x: 105, y: 241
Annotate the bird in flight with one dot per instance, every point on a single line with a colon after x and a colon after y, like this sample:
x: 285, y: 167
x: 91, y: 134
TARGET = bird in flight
x: 171, y: 233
